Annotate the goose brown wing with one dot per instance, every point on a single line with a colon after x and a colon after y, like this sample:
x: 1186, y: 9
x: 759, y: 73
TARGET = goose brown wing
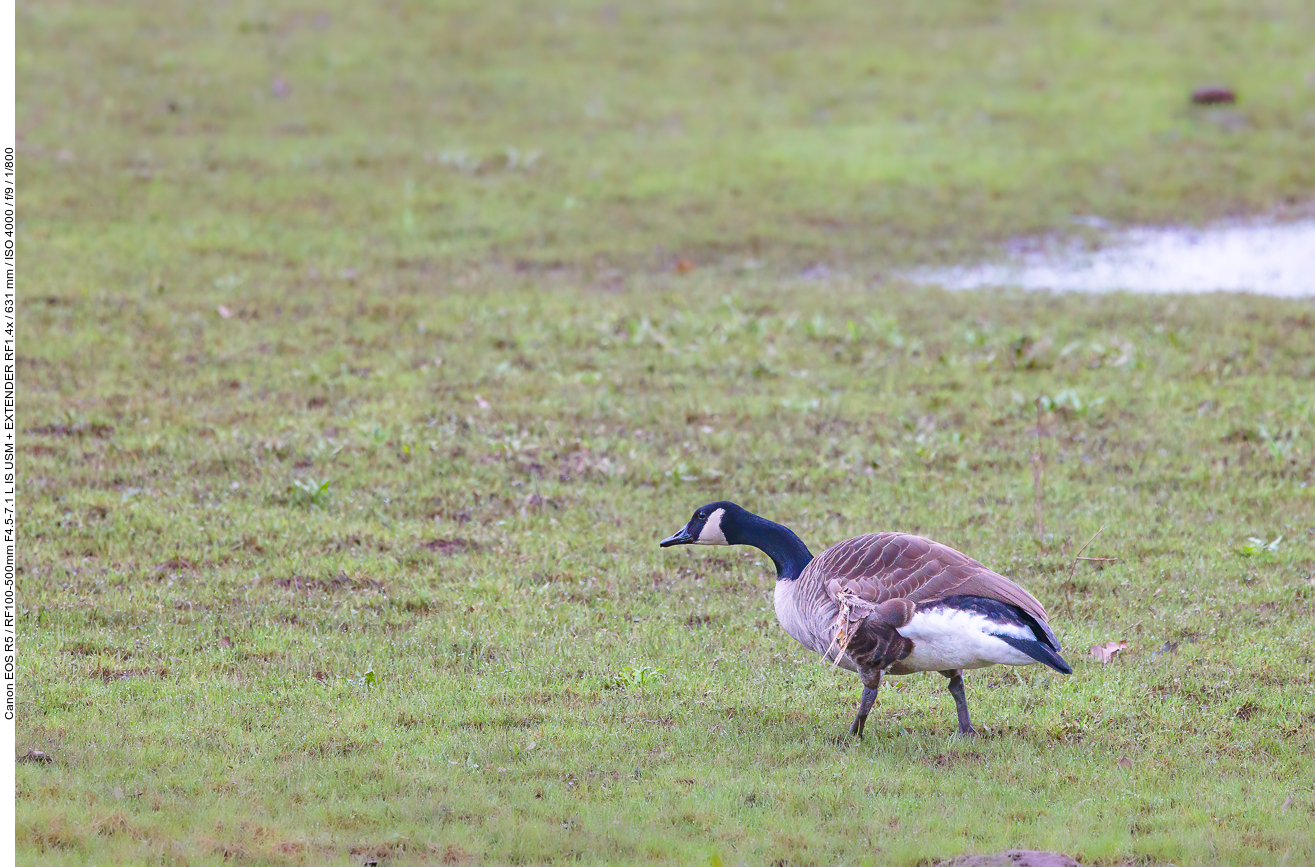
x: 882, y: 566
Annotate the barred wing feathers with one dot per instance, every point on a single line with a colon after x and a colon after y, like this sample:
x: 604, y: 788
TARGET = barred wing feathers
x: 878, y: 567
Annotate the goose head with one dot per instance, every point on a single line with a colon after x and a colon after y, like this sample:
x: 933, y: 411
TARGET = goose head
x: 724, y: 523
x: 713, y: 524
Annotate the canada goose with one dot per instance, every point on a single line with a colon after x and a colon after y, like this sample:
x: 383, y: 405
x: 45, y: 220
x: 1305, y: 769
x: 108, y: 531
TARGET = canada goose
x: 889, y: 603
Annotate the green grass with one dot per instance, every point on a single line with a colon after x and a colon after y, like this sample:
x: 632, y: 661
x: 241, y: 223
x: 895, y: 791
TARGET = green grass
x: 255, y: 139
x: 368, y: 568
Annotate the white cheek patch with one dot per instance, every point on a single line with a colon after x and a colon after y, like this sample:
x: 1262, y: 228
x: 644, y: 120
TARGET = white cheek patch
x: 711, y: 533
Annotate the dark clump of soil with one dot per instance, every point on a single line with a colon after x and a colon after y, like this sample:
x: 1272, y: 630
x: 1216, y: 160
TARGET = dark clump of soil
x: 1214, y: 95
x: 36, y: 757
x: 100, y: 431
x: 449, y: 546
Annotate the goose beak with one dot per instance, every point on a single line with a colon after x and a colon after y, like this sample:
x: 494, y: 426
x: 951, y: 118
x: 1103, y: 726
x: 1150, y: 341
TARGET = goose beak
x: 680, y: 537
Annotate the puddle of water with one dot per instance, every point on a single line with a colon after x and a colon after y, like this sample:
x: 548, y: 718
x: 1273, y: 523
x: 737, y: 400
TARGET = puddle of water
x: 1262, y: 258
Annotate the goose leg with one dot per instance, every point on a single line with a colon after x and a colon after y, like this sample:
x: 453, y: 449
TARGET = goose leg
x: 960, y: 701
x: 865, y: 707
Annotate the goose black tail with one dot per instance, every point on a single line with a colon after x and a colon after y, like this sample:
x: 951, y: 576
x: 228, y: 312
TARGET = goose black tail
x: 1039, y: 652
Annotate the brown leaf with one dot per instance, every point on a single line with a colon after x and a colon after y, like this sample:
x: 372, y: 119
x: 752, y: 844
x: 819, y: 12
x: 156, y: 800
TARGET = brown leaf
x: 684, y: 266
x: 224, y: 312
x: 225, y: 642
x: 1125, y: 762
x: 1105, y: 652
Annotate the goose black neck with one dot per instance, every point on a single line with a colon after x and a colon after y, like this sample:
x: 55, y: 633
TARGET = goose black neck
x: 787, y: 550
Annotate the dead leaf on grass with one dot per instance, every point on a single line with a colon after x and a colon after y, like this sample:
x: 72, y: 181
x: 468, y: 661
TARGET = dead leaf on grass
x: 1124, y: 762
x: 1105, y: 652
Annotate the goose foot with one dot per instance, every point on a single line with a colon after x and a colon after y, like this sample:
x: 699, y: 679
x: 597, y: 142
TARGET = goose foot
x: 864, y: 708
x: 856, y: 727
x: 960, y: 702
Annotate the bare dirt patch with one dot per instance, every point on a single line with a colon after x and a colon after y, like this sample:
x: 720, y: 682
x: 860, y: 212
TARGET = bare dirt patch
x: 449, y: 546
x: 109, y: 675
x: 336, y: 584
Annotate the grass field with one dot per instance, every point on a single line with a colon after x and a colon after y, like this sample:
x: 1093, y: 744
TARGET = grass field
x: 368, y: 351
